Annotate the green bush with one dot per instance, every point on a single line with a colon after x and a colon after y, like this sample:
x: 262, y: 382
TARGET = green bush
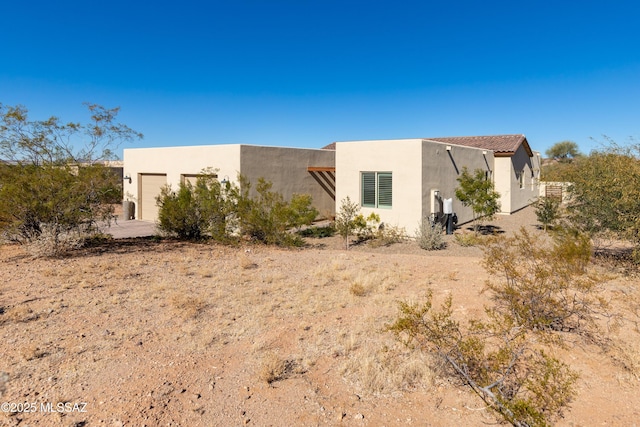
x: 268, y: 218
x: 224, y: 212
x: 604, y: 195
x: 180, y: 213
x: 547, y: 211
x: 59, y: 199
x: 318, y: 232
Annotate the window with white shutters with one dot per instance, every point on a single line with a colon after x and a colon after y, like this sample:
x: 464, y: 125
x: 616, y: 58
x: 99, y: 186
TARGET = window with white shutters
x: 377, y: 189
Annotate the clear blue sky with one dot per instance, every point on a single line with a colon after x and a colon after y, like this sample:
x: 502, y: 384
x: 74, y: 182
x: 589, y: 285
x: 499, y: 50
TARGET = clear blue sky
x: 305, y: 73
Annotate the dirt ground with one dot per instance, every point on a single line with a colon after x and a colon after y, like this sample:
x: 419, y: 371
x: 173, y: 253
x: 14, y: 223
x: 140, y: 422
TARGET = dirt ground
x: 144, y: 332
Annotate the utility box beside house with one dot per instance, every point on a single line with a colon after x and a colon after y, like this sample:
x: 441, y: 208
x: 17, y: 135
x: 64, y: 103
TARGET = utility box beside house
x: 396, y: 178
x: 406, y: 180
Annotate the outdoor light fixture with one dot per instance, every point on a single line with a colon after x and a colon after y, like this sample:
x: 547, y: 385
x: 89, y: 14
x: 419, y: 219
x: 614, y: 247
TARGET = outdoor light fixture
x: 436, y: 193
x: 127, y: 177
x: 448, y: 148
x: 484, y: 152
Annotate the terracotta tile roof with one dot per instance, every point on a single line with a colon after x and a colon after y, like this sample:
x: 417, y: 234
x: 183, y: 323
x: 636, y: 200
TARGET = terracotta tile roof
x: 501, y: 145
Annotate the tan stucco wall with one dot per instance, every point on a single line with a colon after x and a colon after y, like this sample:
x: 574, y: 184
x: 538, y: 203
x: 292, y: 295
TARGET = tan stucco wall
x: 418, y: 167
x: 400, y: 157
x: 285, y: 167
x: 176, y: 161
x: 513, y: 197
x: 441, y: 169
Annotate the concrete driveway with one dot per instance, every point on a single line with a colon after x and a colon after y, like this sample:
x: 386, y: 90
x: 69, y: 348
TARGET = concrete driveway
x: 133, y: 228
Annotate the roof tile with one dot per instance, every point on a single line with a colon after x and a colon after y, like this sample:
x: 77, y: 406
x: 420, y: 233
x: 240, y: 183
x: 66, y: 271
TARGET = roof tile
x: 496, y: 143
x: 501, y: 145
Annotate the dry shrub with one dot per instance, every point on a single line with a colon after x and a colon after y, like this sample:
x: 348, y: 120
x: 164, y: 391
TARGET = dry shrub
x: 497, y: 358
x: 387, y: 235
x: 274, y: 368
x: 627, y: 355
x: 430, y: 237
x: 546, y: 287
x: 387, y: 369
x: 358, y: 290
x: 33, y: 352
x: 20, y: 313
x: 53, y: 243
x: 188, y: 307
x: 245, y: 262
x: 468, y: 239
x: 508, y: 359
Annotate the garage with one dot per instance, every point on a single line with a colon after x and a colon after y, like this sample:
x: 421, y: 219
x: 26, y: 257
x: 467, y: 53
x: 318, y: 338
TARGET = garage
x: 150, y: 185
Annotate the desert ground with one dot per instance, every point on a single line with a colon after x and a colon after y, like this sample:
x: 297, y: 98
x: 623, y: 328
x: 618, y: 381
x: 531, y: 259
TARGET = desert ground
x: 151, y: 332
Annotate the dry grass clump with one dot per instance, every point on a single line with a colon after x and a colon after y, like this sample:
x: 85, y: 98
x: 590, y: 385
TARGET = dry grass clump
x: 387, y: 369
x: 188, y: 306
x: 627, y: 354
x: 33, y: 352
x: 357, y: 289
x: 245, y: 262
x: 468, y: 239
x: 20, y: 313
x: 368, y: 282
x: 274, y: 368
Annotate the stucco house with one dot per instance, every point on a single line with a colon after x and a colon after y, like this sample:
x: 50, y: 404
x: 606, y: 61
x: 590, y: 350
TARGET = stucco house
x: 516, y: 169
x: 403, y: 180
x: 291, y: 170
x: 406, y: 180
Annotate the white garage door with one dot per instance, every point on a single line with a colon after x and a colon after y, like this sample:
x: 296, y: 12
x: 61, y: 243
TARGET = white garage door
x: 150, y: 185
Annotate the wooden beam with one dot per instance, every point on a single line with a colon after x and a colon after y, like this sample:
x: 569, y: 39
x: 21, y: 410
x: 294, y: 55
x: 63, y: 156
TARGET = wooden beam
x: 321, y: 169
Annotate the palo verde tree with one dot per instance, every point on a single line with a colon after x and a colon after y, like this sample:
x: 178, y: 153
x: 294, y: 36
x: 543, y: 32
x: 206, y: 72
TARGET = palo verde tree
x: 477, y: 191
x: 52, y: 182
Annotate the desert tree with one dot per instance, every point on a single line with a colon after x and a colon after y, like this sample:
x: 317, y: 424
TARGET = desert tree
x: 51, y: 178
x: 563, y: 151
x: 604, y: 195
x: 547, y: 211
x: 346, y: 219
x: 476, y: 191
